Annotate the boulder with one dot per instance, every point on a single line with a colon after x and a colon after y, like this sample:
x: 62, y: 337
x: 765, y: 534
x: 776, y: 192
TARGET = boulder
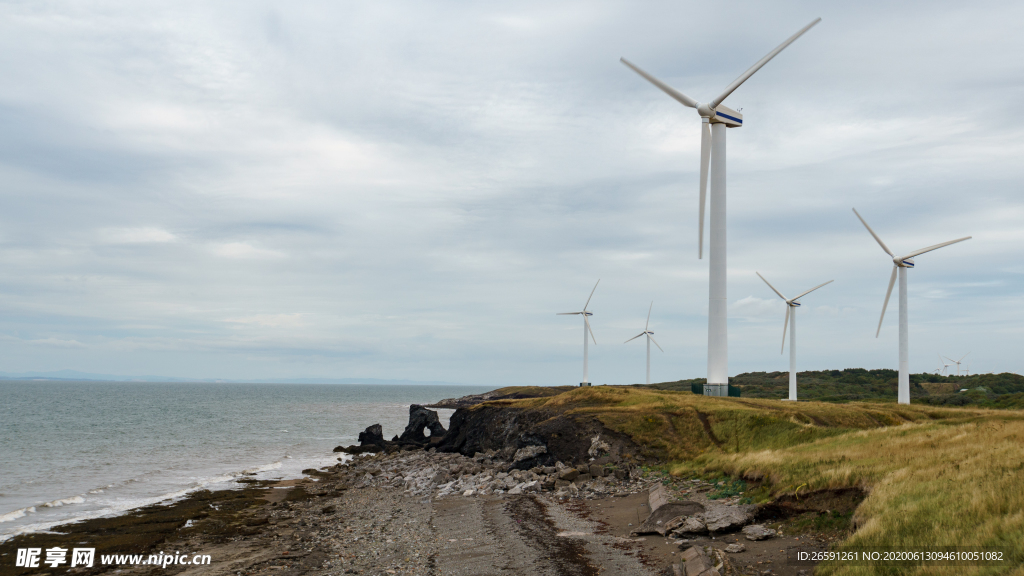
x: 373, y: 435
x: 690, y: 525
x: 420, y: 419
x: 569, y: 474
x: 758, y: 532
x: 726, y: 518
x: 735, y: 548
x: 664, y: 517
x: 597, y: 470
x: 696, y: 561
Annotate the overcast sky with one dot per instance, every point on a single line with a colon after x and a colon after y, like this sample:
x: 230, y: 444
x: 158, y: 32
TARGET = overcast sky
x: 412, y: 190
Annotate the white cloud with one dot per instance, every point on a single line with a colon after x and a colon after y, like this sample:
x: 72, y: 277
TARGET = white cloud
x: 136, y: 236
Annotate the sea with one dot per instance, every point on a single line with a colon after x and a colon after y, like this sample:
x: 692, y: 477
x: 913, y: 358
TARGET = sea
x: 74, y: 450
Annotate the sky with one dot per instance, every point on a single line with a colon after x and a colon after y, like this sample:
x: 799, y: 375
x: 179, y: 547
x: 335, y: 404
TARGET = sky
x: 411, y: 190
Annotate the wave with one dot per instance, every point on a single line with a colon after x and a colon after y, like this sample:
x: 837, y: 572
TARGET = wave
x: 63, y: 502
x: 20, y: 513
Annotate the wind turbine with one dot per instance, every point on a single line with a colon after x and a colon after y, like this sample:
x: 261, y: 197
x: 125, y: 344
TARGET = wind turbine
x: 901, y: 263
x: 715, y: 118
x: 957, y: 362
x: 650, y: 338
x: 943, y: 365
x: 586, y: 328
x: 791, y: 306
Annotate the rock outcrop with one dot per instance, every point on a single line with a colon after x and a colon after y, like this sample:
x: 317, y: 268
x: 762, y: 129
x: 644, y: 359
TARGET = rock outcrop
x: 421, y: 419
x: 506, y: 430
x: 372, y: 436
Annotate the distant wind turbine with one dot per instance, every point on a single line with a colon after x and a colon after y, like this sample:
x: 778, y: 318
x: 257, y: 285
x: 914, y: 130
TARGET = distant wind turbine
x: 957, y: 362
x: 650, y: 338
x: 715, y: 118
x: 943, y: 366
x: 791, y: 306
x: 901, y: 263
x: 586, y: 328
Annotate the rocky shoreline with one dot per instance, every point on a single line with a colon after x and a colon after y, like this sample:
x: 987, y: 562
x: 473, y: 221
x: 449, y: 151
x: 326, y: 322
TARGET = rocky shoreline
x: 524, y: 499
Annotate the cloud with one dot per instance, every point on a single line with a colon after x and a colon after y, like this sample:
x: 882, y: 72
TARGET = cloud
x: 243, y: 250
x: 412, y: 190
x: 136, y: 236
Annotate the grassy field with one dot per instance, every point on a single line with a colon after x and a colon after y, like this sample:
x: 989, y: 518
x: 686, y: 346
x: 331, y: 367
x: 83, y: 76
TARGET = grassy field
x: 935, y: 475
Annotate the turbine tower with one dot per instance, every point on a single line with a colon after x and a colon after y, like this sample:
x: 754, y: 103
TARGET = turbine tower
x: 586, y: 328
x: 791, y: 306
x: 957, y: 362
x: 650, y: 338
x: 901, y: 264
x: 715, y: 118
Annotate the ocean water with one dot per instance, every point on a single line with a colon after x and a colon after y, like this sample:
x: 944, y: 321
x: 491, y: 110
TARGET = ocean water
x: 78, y: 450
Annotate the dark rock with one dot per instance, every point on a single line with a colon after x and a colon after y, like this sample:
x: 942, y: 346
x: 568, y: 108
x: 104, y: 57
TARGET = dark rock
x: 567, y: 438
x: 372, y: 435
x: 596, y: 470
x: 421, y: 419
x: 353, y: 449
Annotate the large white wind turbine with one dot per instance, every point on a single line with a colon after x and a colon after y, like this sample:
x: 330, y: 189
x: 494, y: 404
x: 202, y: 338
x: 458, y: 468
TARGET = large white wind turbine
x: 715, y: 118
x: 942, y: 366
x: 791, y: 306
x: 586, y: 328
x: 957, y: 362
x: 901, y: 263
x: 650, y: 338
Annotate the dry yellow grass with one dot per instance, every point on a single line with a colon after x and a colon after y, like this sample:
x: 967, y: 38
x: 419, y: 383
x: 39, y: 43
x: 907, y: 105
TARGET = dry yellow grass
x: 935, y: 476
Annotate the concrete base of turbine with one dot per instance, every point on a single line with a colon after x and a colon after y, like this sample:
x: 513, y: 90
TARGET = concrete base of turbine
x: 716, y: 389
x: 582, y: 384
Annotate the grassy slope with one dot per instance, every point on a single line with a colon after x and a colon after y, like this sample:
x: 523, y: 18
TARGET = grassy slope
x: 936, y: 475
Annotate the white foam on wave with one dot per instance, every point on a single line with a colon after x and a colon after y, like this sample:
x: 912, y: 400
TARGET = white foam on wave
x: 63, y: 502
x: 15, y: 514
x: 265, y: 468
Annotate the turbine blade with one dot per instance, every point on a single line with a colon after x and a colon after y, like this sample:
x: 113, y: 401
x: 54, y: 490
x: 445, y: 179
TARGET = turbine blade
x: 772, y: 287
x: 655, y: 342
x: 587, y: 322
x: 812, y: 290
x: 877, y: 239
x: 676, y: 94
x: 936, y: 247
x: 964, y: 356
x: 785, y: 325
x: 591, y: 295
x: 892, y: 280
x: 649, y: 316
x: 635, y: 337
x: 705, y: 161
x: 567, y: 313
x: 750, y: 71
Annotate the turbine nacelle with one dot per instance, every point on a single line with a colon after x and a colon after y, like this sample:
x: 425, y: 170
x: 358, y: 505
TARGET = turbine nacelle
x: 713, y: 112
x: 793, y: 303
x: 903, y: 262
